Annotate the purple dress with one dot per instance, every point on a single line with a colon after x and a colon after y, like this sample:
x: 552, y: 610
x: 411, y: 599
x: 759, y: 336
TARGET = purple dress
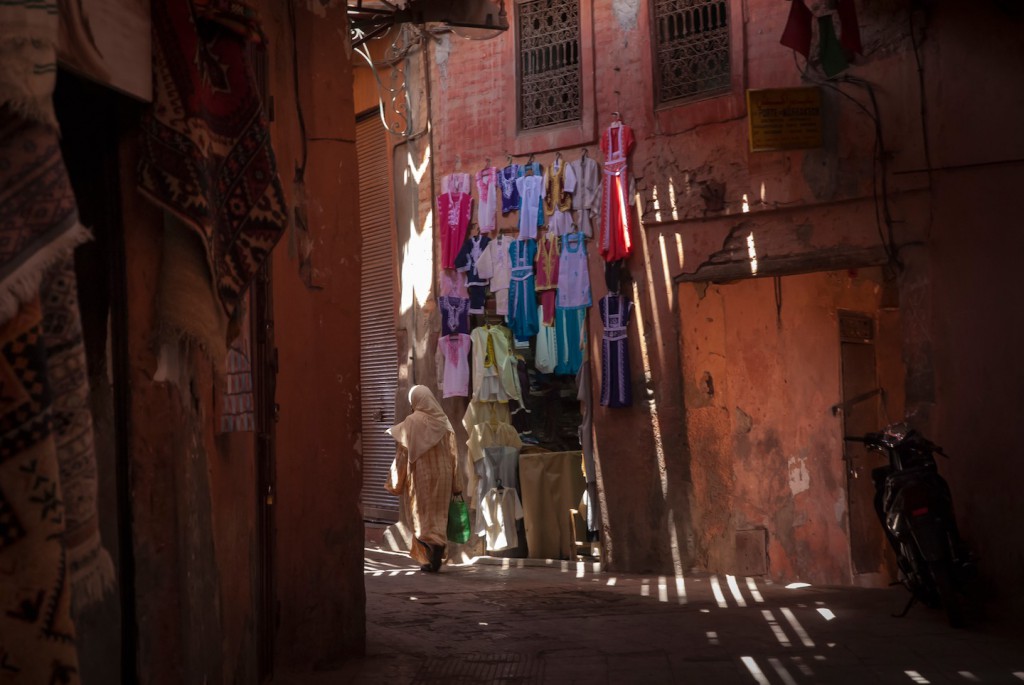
x: 454, y: 315
x: 616, y: 386
x: 509, y: 191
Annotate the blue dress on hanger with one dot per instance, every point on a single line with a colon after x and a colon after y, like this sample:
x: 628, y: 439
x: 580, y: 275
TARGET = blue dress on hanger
x: 522, y: 297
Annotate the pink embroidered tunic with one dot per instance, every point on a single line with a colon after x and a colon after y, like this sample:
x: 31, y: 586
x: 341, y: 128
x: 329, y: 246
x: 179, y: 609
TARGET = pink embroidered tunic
x: 616, y: 215
x: 453, y: 219
x: 453, y: 284
x: 453, y: 358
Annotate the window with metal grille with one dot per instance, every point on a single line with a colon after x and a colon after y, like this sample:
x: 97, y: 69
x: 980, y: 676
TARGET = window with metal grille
x: 691, y: 43
x: 548, y: 33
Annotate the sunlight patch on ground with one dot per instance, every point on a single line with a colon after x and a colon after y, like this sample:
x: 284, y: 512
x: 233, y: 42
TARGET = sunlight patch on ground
x: 755, y: 670
x: 716, y: 588
x: 797, y: 627
x: 802, y: 667
x: 780, y: 634
x: 780, y: 668
x: 754, y: 592
x: 734, y: 588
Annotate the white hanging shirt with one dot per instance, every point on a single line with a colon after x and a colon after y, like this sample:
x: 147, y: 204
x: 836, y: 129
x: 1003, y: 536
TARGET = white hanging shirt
x: 546, y: 356
x: 530, y: 190
x: 500, y: 509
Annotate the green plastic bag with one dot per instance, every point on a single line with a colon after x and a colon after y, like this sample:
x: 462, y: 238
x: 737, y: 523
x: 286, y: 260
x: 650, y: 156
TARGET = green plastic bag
x: 458, y: 520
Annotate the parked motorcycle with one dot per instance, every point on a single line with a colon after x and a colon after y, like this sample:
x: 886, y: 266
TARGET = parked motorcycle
x: 915, y: 507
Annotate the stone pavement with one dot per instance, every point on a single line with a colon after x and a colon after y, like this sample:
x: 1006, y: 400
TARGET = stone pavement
x: 565, y: 623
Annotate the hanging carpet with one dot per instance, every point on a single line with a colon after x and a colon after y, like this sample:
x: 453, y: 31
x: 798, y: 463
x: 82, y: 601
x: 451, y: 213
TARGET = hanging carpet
x: 206, y: 155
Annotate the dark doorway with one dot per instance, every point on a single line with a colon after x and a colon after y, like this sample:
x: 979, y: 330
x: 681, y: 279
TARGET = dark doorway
x: 862, y: 413
x: 265, y: 384
x: 94, y: 121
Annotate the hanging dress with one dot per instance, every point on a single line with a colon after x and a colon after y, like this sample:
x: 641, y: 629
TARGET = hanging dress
x: 616, y: 386
x: 570, y: 338
x: 495, y: 377
x: 453, y: 284
x: 571, y: 306
x: 453, y: 219
x: 487, y: 199
x: 573, y: 273
x: 453, y: 362
x: 545, y: 356
x: 547, y: 275
x: 587, y: 197
x: 522, y: 300
x: 509, y: 190
x: 531, y: 214
x: 454, y: 314
x: 495, y: 267
x: 466, y: 262
x: 559, y: 183
x: 616, y: 215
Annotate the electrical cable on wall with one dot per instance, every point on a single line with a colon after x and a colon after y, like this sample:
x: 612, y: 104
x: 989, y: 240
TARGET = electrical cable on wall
x: 886, y: 237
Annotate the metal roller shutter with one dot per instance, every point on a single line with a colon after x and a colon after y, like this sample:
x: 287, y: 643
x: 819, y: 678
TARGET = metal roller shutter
x: 378, y: 356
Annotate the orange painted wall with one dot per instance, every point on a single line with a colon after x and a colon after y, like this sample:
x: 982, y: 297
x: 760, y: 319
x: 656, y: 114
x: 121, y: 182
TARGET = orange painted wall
x: 318, y: 525
x: 767, y: 449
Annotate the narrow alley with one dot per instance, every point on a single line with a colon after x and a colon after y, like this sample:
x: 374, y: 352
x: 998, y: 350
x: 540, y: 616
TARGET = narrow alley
x: 564, y: 623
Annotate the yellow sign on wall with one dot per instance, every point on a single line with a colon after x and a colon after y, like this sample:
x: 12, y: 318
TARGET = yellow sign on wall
x: 784, y: 118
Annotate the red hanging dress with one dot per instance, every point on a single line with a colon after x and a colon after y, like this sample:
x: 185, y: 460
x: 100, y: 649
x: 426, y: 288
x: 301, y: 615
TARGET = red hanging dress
x: 616, y: 215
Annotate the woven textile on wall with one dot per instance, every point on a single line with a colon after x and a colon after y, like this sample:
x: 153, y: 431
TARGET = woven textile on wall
x: 206, y: 153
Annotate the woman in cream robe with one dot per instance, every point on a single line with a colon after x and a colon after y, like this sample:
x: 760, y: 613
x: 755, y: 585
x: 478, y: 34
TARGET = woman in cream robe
x: 426, y: 468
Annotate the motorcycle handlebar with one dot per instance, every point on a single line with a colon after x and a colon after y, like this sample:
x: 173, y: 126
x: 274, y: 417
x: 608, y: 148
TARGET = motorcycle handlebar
x: 869, y: 439
x: 878, y: 440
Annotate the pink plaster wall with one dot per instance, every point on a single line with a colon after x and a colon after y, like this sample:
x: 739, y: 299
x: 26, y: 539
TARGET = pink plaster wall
x: 767, y: 450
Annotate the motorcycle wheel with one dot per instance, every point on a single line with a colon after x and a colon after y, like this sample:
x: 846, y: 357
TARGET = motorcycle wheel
x: 942, y: 574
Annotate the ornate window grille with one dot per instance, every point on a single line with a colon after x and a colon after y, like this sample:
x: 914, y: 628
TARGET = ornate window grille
x: 691, y: 48
x: 548, y: 33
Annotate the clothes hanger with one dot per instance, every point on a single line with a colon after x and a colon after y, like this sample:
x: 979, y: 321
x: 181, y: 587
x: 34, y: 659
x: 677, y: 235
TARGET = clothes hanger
x: 487, y: 164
